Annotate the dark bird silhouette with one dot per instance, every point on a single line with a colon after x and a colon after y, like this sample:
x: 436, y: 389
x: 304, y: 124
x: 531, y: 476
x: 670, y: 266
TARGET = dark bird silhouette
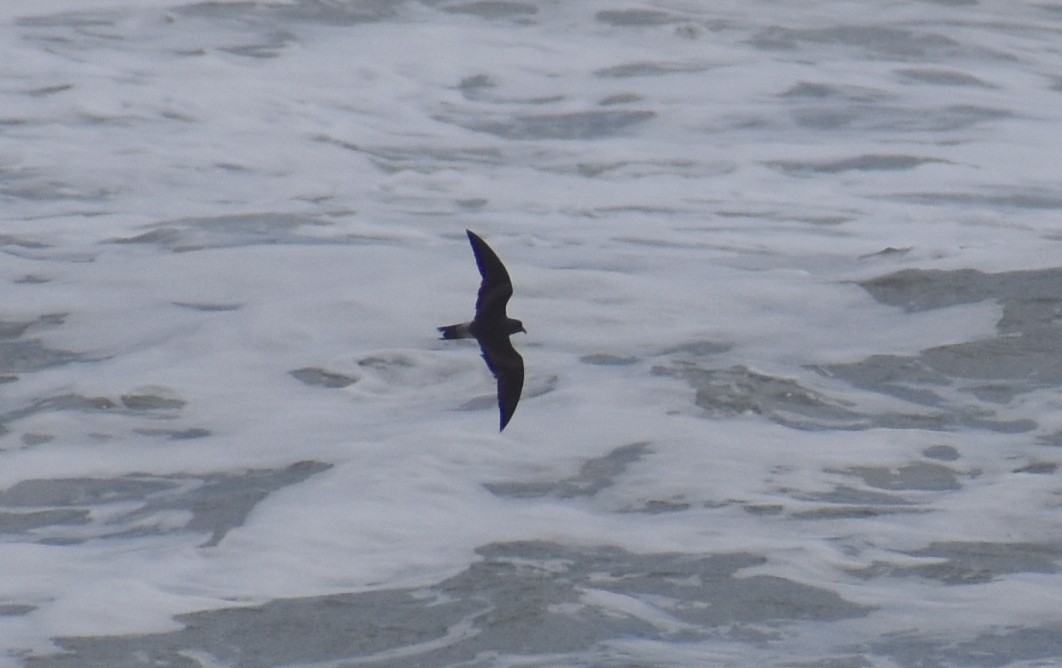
x: 492, y: 328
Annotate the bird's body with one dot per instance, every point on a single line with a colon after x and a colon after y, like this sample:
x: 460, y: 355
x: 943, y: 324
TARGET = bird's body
x: 468, y: 330
x: 491, y: 328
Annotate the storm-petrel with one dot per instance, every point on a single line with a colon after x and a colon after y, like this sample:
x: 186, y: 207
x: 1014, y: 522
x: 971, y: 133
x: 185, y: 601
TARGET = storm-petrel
x: 491, y: 328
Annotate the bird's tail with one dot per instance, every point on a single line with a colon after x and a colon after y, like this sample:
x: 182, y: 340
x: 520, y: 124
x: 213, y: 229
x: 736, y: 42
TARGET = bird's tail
x: 455, y: 331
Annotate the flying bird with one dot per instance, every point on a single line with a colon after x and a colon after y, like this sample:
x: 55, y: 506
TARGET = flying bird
x: 492, y: 327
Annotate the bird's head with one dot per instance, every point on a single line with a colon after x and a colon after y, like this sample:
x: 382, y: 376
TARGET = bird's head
x: 515, y: 326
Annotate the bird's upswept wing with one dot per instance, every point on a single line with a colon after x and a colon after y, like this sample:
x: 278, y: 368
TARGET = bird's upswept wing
x: 496, y: 287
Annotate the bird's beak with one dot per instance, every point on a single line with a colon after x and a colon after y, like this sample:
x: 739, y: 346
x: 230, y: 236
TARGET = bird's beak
x: 523, y: 330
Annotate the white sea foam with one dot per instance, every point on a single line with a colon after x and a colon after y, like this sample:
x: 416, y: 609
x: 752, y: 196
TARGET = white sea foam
x: 693, y: 201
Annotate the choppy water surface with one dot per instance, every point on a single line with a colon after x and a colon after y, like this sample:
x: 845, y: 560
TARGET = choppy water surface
x: 790, y: 271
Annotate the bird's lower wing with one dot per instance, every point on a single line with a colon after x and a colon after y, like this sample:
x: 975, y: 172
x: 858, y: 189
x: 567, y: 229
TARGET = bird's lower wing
x: 508, y: 368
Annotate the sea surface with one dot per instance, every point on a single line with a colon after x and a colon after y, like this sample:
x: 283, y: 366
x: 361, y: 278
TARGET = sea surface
x: 791, y: 273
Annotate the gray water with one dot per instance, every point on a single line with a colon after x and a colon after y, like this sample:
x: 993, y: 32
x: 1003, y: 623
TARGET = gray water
x: 791, y: 280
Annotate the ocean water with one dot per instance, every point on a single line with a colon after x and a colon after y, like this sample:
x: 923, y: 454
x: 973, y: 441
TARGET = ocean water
x: 791, y: 273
